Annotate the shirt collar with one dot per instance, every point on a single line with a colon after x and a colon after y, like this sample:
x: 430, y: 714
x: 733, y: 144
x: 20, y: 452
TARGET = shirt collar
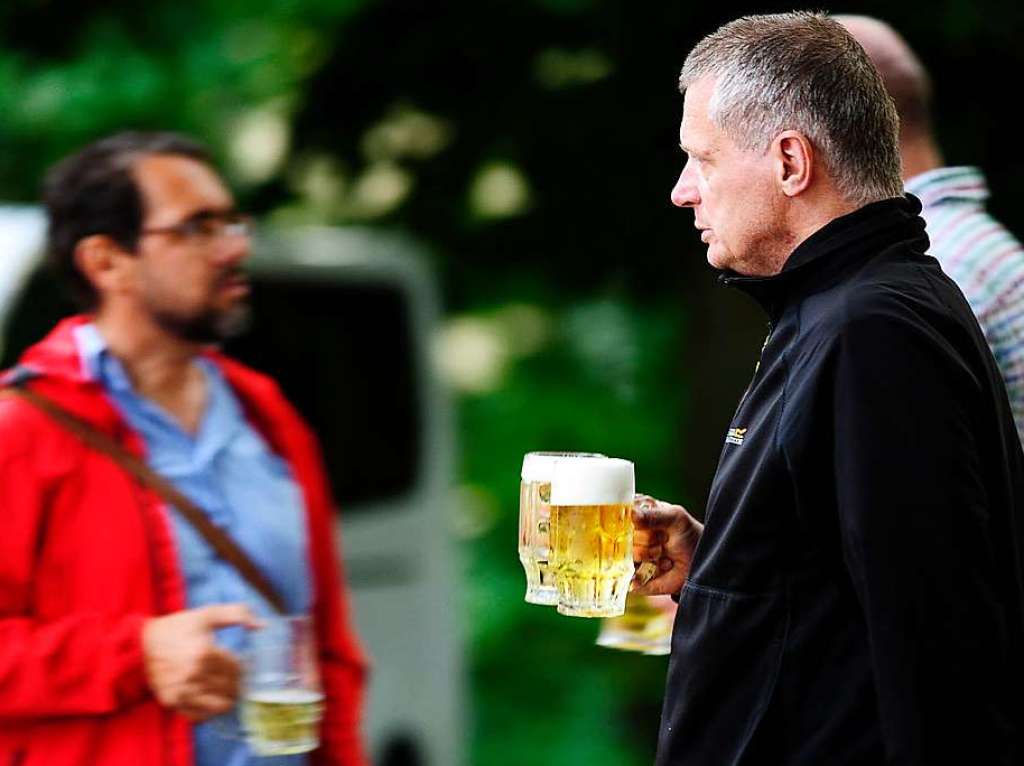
x: 223, y: 419
x: 220, y: 421
x: 955, y: 184
x: 97, y: 362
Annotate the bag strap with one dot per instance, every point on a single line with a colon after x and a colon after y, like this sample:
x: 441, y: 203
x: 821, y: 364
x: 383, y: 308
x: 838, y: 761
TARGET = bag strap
x: 221, y: 542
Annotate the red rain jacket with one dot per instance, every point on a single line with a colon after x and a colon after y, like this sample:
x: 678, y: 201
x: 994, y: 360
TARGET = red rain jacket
x: 86, y: 555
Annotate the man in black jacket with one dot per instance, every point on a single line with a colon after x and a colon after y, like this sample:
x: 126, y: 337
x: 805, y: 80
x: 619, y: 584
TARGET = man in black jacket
x: 855, y: 596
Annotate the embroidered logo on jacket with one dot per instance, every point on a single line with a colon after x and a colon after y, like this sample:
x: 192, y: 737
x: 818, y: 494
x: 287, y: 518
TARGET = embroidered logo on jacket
x: 735, y: 436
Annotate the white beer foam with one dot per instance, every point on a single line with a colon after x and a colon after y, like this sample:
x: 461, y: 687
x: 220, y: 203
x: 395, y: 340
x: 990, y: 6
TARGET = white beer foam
x: 284, y: 696
x: 539, y: 466
x: 590, y: 481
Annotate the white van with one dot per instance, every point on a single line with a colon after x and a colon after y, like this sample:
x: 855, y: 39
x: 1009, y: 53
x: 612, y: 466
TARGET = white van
x: 342, y: 318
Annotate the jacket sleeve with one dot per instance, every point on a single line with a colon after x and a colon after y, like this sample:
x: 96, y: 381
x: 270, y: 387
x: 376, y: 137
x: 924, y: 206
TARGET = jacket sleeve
x: 342, y: 665
x: 81, y: 664
x: 912, y: 503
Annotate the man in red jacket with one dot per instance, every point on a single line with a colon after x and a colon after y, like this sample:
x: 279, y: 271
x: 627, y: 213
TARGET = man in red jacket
x: 117, y: 620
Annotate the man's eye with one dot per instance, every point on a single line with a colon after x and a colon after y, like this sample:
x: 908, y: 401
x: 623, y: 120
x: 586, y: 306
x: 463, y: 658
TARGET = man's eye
x: 203, y: 226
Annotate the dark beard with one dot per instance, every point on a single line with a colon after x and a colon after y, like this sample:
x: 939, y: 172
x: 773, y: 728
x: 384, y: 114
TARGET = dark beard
x: 209, y: 327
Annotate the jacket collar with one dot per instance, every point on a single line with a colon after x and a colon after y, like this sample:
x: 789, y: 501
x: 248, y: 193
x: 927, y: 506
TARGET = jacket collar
x: 851, y: 237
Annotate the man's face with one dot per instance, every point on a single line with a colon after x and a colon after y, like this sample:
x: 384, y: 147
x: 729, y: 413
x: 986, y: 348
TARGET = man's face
x: 731, y: 190
x: 188, y: 265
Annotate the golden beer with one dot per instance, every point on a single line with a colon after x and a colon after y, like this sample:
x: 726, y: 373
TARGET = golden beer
x: 646, y: 626
x: 282, y: 721
x: 534, y: 523
x: 592, y: 535
x: 282, y: 700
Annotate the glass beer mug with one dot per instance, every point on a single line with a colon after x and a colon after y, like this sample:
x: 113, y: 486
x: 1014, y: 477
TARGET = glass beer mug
x: 645, y: 626
x: 282, y: 701
x: 591, y: 531
x: 534, y: 523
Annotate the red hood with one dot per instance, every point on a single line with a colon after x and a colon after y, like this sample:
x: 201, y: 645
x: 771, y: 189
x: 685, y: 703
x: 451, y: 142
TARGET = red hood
x: 55, y: 369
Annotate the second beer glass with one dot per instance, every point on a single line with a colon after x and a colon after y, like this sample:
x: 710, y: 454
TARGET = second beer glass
x: 535, y: 523
x: 592, y: 535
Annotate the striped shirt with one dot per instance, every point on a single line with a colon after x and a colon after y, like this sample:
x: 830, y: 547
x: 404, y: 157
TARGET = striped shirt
x: 984, y: 259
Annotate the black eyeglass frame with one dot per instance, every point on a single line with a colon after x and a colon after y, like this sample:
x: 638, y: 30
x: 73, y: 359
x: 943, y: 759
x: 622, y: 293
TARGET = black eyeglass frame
x: 224, y: 223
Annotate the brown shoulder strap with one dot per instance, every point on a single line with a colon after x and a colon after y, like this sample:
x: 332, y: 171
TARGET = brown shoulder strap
x: 219, y: 540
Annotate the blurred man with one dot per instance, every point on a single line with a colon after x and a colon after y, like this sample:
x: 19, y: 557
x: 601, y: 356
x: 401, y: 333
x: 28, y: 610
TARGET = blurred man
x: 981, y: 256
x: 856, y: 593
x: 110, y: 600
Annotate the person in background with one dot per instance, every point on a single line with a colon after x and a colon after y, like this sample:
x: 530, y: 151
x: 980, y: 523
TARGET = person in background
x: 856, y: 592
x: 982, y: 257
x: 119, y: 625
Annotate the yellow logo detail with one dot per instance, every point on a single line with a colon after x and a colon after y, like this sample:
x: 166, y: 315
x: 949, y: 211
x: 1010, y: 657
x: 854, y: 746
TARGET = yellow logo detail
x: 735, y: 436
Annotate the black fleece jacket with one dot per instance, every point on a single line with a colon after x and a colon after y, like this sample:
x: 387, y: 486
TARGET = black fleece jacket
x: 857, y: 596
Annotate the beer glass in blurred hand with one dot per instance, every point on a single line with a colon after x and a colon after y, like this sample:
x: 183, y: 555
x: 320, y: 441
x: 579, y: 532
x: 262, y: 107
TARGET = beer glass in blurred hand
x: 282, y: 701
x: 646, y: 626
x: 592, y: 535
x: 534, y: 524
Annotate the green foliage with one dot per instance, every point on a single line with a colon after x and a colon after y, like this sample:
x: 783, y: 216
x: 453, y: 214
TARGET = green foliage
x: 197, y: 67
x: 609, y: 382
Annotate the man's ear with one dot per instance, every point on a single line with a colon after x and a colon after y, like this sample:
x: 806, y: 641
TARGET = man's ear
x: 794, y: 162
x: 107, y: 266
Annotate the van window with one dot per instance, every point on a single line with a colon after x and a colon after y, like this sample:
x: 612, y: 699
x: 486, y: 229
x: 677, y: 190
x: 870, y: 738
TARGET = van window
x: 344, y: 355
x: 342, y: 352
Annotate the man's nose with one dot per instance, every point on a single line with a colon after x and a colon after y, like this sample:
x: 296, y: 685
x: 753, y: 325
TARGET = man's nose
x: 684, y: 193
x: 232, y: 249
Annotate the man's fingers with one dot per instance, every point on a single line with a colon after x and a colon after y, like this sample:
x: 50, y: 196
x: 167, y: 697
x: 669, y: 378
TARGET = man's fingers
x: 221, y: 667
x: 649, y: 536
x: 647, y: 552
x: 651, y: 514
x: 226, y: 615
x: 204, y: 706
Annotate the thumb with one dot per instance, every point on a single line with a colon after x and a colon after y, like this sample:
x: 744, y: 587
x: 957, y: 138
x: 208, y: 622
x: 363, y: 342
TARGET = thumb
x: 653, y: 518
x: 225, y: 615
x: 651, y: 513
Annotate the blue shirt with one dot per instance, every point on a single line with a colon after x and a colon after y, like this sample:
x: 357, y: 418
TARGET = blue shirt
x: 228, y: 470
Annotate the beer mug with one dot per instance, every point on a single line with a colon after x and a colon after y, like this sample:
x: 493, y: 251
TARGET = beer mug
x: 282, y: 701
x: 534, y: 524
x: 645, y: 626
x: 592, y: 534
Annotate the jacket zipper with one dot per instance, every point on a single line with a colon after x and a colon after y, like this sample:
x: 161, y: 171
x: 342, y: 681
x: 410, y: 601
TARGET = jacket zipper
x: 760, y: 356
x: 757, y: 367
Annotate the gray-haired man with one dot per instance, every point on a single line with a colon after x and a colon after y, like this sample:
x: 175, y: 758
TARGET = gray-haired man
x: 856, y: 595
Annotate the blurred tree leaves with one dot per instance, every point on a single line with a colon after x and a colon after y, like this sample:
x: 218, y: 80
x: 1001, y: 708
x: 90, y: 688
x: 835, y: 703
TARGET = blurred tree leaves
x: 71, y: 71
x: 606, y: 381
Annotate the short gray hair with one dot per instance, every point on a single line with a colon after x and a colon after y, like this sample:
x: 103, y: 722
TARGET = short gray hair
x: 803, y: 71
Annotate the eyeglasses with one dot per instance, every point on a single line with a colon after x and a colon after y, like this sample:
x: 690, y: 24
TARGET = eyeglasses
x: 208, y: 225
